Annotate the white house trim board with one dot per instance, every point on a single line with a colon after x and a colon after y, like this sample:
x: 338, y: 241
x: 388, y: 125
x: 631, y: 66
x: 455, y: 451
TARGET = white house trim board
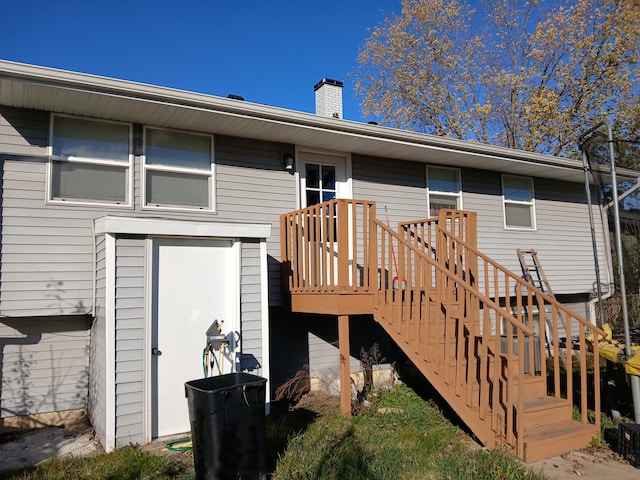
x: 148, y: 328
x: 236, y: 251
x: 159, y: 227
x: 110, y: 342
x: 264, y: 289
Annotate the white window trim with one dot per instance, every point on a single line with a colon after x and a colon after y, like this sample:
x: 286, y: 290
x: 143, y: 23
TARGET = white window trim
x: 87, y: 161
x: 458, y: 195
x: 191, y: 171
x: 531, y: 204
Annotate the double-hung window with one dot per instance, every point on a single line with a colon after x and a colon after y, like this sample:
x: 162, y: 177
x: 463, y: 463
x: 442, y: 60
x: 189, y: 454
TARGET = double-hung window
x: 178, y: 170
x: 90, y: 162
x: 443, y: 189
x: 518, y: 200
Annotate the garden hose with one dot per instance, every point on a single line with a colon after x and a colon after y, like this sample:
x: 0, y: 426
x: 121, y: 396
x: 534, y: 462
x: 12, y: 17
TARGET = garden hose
x: 204, y: 360
x: 183, y: 445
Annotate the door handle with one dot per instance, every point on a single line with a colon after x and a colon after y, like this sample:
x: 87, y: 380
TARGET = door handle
x: 155, y: 351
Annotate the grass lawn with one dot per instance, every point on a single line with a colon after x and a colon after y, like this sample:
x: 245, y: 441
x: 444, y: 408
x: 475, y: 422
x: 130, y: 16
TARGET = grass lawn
x: 400, y: 436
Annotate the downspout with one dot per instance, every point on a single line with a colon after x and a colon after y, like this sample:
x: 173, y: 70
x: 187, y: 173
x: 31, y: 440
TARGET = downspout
x: 634, y: 379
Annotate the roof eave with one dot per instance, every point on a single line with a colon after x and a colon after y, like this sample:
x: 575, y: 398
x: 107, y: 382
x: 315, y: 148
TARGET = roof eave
x: 298, y: 127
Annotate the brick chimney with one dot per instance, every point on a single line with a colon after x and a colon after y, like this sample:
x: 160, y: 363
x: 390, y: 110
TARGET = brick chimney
x: 328, y: 98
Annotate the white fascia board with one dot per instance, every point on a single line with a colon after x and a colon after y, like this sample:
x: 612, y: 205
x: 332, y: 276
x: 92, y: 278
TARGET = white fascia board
x: 355, y: 137
x: 155, y: 226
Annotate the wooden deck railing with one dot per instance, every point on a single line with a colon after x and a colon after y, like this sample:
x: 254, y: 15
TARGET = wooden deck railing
x: 431, y: 314
x: 529, y: 305
x: 326, y: 247
x: 469, y: 322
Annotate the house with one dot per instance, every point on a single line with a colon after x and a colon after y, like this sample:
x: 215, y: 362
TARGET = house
x: 133, y: 216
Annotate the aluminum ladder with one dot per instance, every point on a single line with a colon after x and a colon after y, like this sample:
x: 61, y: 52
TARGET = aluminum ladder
x: 534, y: 274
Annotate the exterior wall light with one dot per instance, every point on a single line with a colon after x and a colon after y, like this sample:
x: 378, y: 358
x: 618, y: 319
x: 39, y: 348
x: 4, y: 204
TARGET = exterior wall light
x: 289, y: 162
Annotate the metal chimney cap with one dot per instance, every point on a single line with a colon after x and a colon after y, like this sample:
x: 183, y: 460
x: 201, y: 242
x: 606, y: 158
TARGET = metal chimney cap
x: 327, y: 81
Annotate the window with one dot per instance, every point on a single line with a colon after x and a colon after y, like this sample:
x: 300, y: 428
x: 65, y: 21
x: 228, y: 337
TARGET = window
x: 517, y: 193
x: 320, y: 183
x: 178, y: 170
x: 90, y: 161
x: 443, y: 189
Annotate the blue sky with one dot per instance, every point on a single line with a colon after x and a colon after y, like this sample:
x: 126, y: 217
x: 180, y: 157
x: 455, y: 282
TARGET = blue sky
x: 270, y: 52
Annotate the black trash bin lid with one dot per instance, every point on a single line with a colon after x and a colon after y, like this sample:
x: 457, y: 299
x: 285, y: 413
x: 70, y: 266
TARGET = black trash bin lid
x: 225, y: 382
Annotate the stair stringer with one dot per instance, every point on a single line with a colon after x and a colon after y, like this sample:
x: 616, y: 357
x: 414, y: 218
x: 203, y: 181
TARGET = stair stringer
x: 479, y: 424
x: 452, y: 270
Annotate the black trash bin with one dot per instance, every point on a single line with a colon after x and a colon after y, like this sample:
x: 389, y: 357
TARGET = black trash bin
x: 227, y: 426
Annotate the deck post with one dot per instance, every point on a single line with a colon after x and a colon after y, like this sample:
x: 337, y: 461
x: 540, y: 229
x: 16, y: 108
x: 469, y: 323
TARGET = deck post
x: 345, y: 367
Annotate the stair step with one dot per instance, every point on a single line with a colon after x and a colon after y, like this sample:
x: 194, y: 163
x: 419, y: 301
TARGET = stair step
x: 544, y: 410
x: 536, y: 386
x: 550, y: 440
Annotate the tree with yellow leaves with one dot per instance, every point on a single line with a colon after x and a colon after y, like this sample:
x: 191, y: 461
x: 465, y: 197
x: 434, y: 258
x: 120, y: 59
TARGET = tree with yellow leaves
x: 529, y: 74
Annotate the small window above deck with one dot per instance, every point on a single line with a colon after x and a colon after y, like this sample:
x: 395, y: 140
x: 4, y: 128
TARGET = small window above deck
x: 443, y: 189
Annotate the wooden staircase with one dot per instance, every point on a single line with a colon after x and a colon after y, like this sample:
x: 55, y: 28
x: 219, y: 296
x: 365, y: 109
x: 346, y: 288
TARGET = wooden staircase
x: 463, y: 320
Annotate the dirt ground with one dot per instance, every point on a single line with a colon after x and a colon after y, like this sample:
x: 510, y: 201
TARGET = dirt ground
x: 29, y: 448
x: 25, y: 448
x: 588, y: 464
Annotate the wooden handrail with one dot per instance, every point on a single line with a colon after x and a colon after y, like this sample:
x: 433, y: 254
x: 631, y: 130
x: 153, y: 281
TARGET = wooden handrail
x: 477, y: 338
x: 454, y: 252
x: 444, y: 301
x: 462, y: 282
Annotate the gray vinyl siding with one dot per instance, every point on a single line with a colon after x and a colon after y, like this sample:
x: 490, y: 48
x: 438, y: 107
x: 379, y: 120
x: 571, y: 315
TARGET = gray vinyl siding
x: 47, y: 249
x: 251, y: 315
x: 562, y: 238
x: 97, y: 409
x: 43, y: 364
x: 324, y: 353
x: 252, y: 186
x: 46, y: 253
x: 23, y: 132
x: 399, y: 186
x: 129, y: 346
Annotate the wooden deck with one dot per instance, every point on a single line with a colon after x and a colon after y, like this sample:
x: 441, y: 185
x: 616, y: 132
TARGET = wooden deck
x: 465, y: 321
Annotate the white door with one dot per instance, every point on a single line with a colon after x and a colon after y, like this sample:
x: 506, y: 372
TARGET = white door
x: 194, y: 283
x: 324, y: 177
